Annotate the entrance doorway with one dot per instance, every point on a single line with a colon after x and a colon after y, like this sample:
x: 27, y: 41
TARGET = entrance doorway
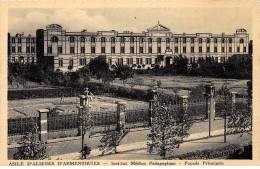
x: 168, y: 61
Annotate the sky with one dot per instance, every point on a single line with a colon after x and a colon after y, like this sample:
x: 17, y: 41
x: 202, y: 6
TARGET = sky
x: 179, y: 20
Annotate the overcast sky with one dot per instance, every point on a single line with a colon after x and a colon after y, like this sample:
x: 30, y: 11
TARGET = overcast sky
x: 192, y: 20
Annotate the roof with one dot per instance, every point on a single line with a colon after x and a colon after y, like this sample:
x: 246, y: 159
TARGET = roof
x: 158, y: 27
x: 53, y: 26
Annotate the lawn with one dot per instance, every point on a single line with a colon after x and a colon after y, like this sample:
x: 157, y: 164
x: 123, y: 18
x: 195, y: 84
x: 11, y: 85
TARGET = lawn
x: 184, y: 83
x: 28, y: 108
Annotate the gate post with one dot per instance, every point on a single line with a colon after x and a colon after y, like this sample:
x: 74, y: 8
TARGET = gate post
x: 184, y: 104
x: 43, y: 128
x: 120, y: 115
x: 210, y: 92
x: 233, y: 101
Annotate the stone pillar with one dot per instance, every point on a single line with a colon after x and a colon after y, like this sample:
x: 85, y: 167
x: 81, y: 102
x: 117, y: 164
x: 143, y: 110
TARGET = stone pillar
x: 80, y: 120
x: 210, y: 92
x: 151, y: 112
x: 82, y: 100
x: 43, y: 128
x: 120, y: 115
x: 86, y: 93
x: 233, y: 101
x: 184, y: 105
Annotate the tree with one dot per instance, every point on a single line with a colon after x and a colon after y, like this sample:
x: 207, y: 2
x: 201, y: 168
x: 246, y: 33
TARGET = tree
x: 123, y: 72
x: 169, y: 127
x: 32, y: 148
x: 98, y: 66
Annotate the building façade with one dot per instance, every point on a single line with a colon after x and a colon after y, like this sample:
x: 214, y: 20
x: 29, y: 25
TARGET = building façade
x: 69, y: 51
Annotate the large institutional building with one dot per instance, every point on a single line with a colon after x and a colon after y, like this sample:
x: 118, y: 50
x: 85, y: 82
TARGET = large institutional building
x: 66, y: 51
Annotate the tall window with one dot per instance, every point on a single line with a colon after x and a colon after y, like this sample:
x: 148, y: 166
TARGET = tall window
x: 215, y: 40
x: 150, y: 40
x: 59, y: 49
x: 141, y: 40
x: 129, y: 61
x: 82, y: 39
x: 82, y: 50
x: 122, y: 40
x: 215, y: 49
x: 184, y: 40
x: 230, y: 40
x: 132, y: 40
x: 131, y: 49
x: 148, y: 61
x: 13, y: 40
x: 19, y: 49
x: 103, y: 39
x: 113, y: 40
x: 141, y: 49
x: 241, y: 40
x: 200, y: 40
x: 167, y: 40
x: 72, y: 39
x: 159, y: 49
x: 19, y: 40
x: 113, y: 49
x: 176, y: 40
x: 192, y: 49
x: 32, y: 49
x: 150, y: 49
x: 238, y: 49
x: 61, y: 62
x: 72, y: 50
x: 208, y: 49
x: 159, y: 40
x: 244, y: 49
x: 32, y: 59
x: 222, y: 40
x: 230, y: 49
x: 184, y: 49
x: 120, y: 61
x: 139, y: 61
x: 192, y: 40
x: 49, y: 50
x: 13, y: 49
x: 33, y: 40
x: 28, y: 49
x: 176, y: 49
x: 122, y: 49
x: 56, y: 39
x: 93, y: 39
x: 71, y: 62
x: 93, y: 50
x: 27, y: 40
x: 200, y: 49
x: 103, y: 49
x: 222, y: 49
x: 208, y: 40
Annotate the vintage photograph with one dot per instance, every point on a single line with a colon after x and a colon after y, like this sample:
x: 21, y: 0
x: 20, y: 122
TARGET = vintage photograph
x: 130, y: 84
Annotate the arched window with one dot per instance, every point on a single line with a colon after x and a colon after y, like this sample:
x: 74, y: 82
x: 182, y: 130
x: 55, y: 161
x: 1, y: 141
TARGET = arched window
x: 82, y: 39
x: 159, y: 40
x: 113, y: 40
x: 54, y: 39
x: 150, y: 40
x: 103, y: 39
x: 216, y: 40
x: 208, y: 40
x: 93, y: 39
x: 230, y: 40
x: 241, y: 40
x: 122, y: 40
x: 72, y: 39
x: 132, y: 40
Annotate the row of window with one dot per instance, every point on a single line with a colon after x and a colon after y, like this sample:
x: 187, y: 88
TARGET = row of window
x: 22, y: 59
x: 150, y: 49
x: 28, y: 40
x: 150, y: 40
x: 28, y: 49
